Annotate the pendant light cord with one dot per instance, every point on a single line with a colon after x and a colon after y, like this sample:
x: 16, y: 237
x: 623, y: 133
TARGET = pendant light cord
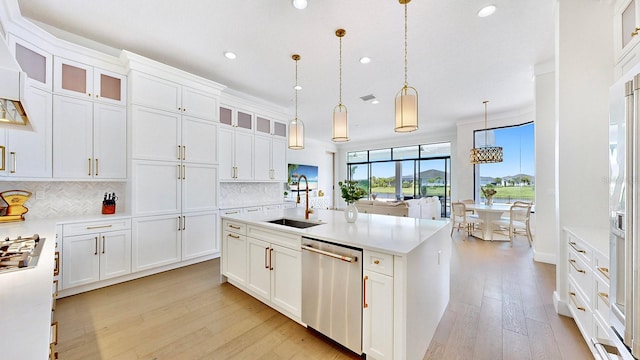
x: 340, y: 96
x: 485, y: 123
x: 405, y: 46
x: 296, y: 90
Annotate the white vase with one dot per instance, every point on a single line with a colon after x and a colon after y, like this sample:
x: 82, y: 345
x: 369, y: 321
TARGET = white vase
x: 351, y: 213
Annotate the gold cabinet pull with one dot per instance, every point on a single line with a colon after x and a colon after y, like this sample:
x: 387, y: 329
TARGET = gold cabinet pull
x: 104, y: 244
x: 98, y: 227
x: 89, y: 167
x: 56, y: 269
x: 635, y: 32
x: 234, y: 226
x: 3, y: 149
x: 184, y: 172
x: 271, y: 259
x: 96, y: 166
x: 96, y: 248
x: 604, y: 297
x: 179, y: 152
x: 179, y: 223
x: 377, y: 262
x: 184, y: 152
x: 573, y: 263
x: 179, y: 172
x: 604, y: 271
x: 575, y: 247
x: 184, y: 222
x: 54, y: 331
x: 572, y: 296
x: 266, y: 254
x: 15, y: 162
x: 364, y: 292
x: 234, y: 236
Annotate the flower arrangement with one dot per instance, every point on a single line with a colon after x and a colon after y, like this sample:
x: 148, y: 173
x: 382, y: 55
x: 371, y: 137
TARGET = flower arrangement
x: 351, y: 191
x: 488, y: 192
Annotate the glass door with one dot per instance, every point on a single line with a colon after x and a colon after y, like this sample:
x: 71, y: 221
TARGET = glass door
x: 434, y: 180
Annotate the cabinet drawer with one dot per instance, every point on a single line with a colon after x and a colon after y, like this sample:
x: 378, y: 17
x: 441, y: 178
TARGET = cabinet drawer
x: 95, y: 227
x: 601, y: 266
x: 581, y: 274
x: 275, y: 237
x: 233, y: 226
x: 581, y: 312
x: 378, y: 262
x: 581, y: 249
x: 601, y: 302
x: 231, y: 212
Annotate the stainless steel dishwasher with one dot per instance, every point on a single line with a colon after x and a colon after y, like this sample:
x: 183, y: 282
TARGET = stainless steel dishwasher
x: 332, y: 291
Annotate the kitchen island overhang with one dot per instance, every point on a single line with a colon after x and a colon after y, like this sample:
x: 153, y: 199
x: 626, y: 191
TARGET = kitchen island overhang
x: 412, y: 255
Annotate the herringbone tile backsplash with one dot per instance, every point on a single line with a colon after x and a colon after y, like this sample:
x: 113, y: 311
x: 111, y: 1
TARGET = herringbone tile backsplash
x: 66, y: 199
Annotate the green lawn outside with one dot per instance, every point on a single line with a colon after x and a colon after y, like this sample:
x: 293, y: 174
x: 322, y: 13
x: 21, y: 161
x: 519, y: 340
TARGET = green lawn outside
x: 503, y: 192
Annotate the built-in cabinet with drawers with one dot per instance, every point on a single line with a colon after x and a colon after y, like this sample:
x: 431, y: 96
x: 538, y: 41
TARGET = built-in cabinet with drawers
x: 377, y: 311
x: 266, y: 263
x: 95, y: 251
x: 588, y: 285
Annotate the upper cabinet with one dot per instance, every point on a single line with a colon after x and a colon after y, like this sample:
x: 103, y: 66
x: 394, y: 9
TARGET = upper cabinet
x: 82, y: 80
x: 152, y: 91
x: 239, y: 119
x: 34, y: 61
x: 266, y: 126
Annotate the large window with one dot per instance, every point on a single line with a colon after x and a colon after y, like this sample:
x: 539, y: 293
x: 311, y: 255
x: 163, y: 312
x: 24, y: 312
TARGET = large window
x: 513, y: 178
x: 404, y: 173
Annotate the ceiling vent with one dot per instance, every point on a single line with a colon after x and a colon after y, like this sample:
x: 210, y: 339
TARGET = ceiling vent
x: 368, y: 97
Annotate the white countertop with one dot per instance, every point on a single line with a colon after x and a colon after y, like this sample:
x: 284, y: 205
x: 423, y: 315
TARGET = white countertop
x: 388, y: 234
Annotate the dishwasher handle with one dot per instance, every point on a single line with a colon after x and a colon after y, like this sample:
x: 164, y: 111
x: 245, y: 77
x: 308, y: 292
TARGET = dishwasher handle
x: 330, y: 254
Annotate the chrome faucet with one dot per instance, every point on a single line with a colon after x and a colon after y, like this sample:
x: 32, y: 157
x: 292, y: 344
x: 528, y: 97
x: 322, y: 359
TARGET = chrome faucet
x: 307, y: 211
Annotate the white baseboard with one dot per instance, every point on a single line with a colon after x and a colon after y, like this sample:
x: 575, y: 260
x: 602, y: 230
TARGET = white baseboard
x: 560, y: 305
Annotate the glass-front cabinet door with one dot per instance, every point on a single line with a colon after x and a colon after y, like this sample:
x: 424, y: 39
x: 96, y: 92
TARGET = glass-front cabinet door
x: 82, y: 80
x: 34, y: 61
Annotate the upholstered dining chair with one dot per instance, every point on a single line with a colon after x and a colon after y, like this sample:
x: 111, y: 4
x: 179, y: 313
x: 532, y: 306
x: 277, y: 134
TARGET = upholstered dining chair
x: 461, y: 220
x: 518, y: 222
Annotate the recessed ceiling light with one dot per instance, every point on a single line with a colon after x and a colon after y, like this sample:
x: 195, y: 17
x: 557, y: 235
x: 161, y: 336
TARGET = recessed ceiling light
x: 229, y: 55
x: 375, y: 102
x: 365, y: 60
x: 299, y: 4
x: 298, y: 87
x: 487, y: 10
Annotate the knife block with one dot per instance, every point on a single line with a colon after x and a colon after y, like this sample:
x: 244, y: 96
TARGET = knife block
x: 108, y: 208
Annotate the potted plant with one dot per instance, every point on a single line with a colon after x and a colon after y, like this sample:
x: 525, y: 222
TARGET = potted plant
x: 351, y: 192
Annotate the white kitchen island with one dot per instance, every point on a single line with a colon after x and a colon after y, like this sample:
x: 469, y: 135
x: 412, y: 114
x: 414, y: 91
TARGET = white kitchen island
x: 406, y: 271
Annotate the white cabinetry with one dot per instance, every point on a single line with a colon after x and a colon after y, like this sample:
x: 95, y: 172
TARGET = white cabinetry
x: 270, y: 150
x: 377, y: 312
x: 199, y: 235
x: 95, y: 251
x: 27, y: 154
x: 626, y: 34
x: 234, y: 252
x: 33, y: 60
x: 588, y: 288
x: 156, y: 241
x: 85, y: 81
x: 274, y: 269
x: 89, y: 139
x: 236, y: 159
x: 158, y: 93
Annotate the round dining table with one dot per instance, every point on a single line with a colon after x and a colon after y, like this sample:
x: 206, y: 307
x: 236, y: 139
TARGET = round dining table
x: 489, y: 213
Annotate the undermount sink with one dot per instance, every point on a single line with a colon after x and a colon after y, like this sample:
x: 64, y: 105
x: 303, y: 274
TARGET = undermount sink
x: 294, y: 223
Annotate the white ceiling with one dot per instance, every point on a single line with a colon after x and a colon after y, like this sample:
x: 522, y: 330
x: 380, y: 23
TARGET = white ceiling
x: 456, y: 59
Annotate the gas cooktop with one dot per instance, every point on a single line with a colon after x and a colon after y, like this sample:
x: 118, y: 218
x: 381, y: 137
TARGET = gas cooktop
x: 20, y: 253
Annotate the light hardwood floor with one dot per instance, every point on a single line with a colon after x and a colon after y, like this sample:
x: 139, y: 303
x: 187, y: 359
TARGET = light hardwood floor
x: 501, y: 308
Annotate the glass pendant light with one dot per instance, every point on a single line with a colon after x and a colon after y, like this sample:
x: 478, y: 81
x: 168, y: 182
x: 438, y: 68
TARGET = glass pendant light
x: 485, y: 154
x: 296, y: 126
x: 407, y: 97
x: 340, y: 120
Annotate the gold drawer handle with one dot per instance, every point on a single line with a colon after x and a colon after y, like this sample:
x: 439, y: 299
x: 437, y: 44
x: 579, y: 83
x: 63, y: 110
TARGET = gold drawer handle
x: 635, y: 32
x: 377, y: 262
x: 234, y: 236
x: 604, y: 297
x: 234, y: 227
x: 572, y: 296
x: 98, y: 227
x: 54, y: 327
x: 604, y: 271
x: 573, y: 263
x: 56, y: 269
x: 575, y: 247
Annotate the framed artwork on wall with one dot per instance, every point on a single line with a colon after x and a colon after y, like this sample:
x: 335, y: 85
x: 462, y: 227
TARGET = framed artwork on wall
x: 293, y: 174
